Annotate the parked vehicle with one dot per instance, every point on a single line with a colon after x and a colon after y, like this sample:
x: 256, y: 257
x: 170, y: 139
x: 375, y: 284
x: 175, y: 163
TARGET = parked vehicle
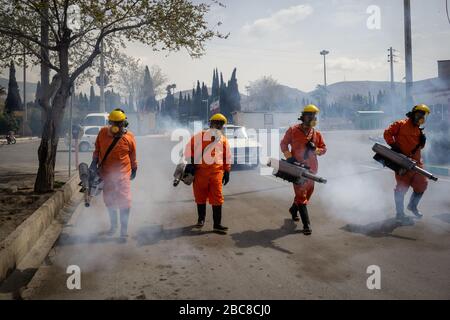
x: 88, y: 137
x: 244, y: 149
x: 95, y: 119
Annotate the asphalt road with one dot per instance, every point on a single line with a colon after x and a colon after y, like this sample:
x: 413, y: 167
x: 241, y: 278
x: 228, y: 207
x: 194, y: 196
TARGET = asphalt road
x: 22, y: 158
x: 264, y: 255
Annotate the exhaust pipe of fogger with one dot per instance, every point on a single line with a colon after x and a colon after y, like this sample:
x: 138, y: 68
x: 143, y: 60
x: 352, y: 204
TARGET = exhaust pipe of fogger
x: 83, y: 171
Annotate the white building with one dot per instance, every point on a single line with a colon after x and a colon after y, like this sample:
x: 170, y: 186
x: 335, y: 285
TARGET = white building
x: 265, y: 120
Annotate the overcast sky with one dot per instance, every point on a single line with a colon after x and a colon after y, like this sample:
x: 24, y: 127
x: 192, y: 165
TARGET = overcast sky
x: 283, y: 38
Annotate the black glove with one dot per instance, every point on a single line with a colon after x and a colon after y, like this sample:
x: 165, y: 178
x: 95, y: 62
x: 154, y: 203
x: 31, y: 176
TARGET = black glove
x: 133, y: 174
x: 422, y: 139
x: 395, y: 148
x: 190, y: 169
x: 226, y: 177
x: 311, y: 146
x: 291, y: 160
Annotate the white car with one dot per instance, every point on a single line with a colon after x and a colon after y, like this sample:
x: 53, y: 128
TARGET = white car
x: 95, y: 119
x: 87, y: 140
x: 244, y: 149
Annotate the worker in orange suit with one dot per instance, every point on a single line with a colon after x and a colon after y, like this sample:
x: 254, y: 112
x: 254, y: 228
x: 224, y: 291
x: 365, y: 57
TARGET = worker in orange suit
x: 209, y: 160
x: 117, y: 169
x: 406, y: 137
x: 306, y: 143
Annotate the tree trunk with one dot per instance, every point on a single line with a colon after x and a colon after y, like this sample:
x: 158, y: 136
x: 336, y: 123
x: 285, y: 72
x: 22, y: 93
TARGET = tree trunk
x: 51, y: 131
x: 49, y: 144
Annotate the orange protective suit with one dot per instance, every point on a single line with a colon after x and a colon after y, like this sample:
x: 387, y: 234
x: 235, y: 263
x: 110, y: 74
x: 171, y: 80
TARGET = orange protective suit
x: 116, y: 170
x: 406, y: 136
x: 297, y: 139
x: 211, y: 158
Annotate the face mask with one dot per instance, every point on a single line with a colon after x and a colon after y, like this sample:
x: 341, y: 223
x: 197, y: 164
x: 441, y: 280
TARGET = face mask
x: 419, y: 119
x: 310, y: 121
x: 115, y: 129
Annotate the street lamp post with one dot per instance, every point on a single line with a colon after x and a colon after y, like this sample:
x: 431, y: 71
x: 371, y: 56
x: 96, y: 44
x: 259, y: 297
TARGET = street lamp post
x: 207, y: 113
x: 324, y: 53
x: 102, y: 80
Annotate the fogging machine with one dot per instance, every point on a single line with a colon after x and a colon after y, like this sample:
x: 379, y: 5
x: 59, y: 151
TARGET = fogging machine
x: 91, y: 183
x: 180, y: 174
x: 398, y: 162
x: 296, y: 173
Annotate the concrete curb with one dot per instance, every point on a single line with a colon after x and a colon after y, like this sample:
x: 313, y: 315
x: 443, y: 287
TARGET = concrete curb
x: 18, y: 244
x: 439, y: 170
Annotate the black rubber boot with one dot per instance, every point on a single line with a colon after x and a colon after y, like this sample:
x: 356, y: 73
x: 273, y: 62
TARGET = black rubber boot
x: 113, y: 221
x: 201, y: 210
x: 217, y: 218
x: 305, y: 219
x: 293, y: 210
x: 399, y: 198
x: 413, y: 202
x: 124, y: 216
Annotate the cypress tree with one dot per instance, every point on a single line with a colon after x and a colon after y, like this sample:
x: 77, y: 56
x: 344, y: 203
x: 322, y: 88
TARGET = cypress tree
x: 223, y: 97
x: 198, y: 101
x: 234, y: 97
x: 148, y: 92
x: 13, y: 101
x: 38, y: 92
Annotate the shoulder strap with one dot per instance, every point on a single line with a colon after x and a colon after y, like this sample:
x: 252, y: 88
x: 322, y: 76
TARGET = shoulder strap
x: 413, y: 151
x: 111, y: 146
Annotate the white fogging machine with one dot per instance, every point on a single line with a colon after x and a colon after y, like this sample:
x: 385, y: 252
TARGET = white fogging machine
x: 180, y: 174
x: 296, y: 173
x: 398, y: 162
x: 91, y: 183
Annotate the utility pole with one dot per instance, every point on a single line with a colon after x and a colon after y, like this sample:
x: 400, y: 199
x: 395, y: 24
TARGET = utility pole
x: 408, y: 53
x: 391, y: 59
x: 25, y: 115
x: 102, y: 80
x: 70, y: 129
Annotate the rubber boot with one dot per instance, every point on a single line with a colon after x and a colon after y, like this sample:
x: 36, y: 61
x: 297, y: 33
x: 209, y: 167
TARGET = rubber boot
x: 113, y: 221
x: 305, y: 219
x: 124, y: 216
x: 293, y: 210
x: 201, y: 210
x: 217, y: 218
x: 399, y: 198
x: 413, y: 202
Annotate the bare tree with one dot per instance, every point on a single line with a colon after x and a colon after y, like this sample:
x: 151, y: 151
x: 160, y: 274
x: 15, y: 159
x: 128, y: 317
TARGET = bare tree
x: 264, y: 94
x: 68, y: 46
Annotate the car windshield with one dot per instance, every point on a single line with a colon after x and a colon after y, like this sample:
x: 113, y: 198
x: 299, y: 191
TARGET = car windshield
x: 92, y: 131
x: 94, y: 121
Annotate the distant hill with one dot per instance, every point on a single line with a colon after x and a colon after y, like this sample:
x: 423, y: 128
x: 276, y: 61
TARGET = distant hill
x: 345, y: 88
x: 31, y: 88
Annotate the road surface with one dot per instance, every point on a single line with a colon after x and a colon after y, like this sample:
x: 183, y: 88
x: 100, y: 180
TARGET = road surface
x: 264, y: 255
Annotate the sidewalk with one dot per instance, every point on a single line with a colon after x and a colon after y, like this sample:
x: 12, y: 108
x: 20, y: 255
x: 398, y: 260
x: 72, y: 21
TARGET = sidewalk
x: 22, y: 140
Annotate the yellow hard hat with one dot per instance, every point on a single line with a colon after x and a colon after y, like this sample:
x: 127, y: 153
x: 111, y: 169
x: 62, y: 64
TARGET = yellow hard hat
x: 311, y: 108
x: 117, y: 115
x: 422, y: 107
x: 219, y: 117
